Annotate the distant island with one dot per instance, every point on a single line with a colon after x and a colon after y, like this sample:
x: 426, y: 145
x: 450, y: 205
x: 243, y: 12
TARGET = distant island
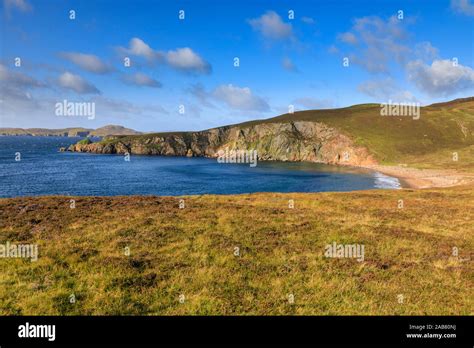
x: 70, y: 132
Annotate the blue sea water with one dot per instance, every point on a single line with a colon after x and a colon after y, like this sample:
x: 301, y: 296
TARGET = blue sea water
x: 43, y: 170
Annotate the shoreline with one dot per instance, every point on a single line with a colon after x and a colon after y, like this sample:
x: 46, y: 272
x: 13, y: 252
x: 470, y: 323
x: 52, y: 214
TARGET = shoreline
x: 414, y: 178
x: 408, y: 177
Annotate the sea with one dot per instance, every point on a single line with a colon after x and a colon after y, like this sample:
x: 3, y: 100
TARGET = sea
x: 34, y: 166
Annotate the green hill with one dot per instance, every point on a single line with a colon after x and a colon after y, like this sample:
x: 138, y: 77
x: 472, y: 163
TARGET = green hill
x: 427, y: 142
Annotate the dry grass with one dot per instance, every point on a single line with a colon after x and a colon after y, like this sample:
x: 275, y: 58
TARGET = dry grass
x: 190, y: 252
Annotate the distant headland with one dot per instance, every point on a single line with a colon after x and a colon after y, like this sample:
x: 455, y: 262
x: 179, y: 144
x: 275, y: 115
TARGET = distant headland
x: 70, y: 132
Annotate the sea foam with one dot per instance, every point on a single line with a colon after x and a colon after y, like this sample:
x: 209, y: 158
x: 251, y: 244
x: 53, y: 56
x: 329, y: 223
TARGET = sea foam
x: 383, y: 181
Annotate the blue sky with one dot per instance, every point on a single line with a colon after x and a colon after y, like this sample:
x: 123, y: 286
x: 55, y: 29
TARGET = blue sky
x: 424, y: 54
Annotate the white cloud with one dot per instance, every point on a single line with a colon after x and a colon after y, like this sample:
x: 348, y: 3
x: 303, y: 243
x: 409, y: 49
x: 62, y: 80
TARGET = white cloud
x: 186, y: 59
x: 137, y: 47
x: 441, y: 78
x: 271, y: 26
x: 88, y: 62
x: 182, y: 59
x: 27, y: 102
x: 16, y: 104
x: 24, y: 110
x: 380, y: 41
x: 17, y: 80
x: 21, y: 5
x: 140, y: 79
x: 463, y: 6
x: 240, y: 98
x: 16, y: 97
x: 76, y: 83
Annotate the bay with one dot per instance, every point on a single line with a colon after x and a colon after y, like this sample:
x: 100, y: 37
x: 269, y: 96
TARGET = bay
x: 43, y: 170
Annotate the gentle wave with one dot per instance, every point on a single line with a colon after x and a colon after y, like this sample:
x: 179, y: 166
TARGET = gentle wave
x: 383, y: 181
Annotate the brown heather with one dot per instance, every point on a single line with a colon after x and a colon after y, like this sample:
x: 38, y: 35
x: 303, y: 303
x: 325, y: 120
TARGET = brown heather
x: 190, y: 252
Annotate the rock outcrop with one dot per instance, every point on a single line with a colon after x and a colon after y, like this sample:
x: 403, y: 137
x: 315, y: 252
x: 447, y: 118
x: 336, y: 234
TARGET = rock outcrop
x: 285, y: 141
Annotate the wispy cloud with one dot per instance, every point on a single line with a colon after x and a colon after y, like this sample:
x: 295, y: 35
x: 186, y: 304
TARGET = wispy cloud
x: 16, y: 94
x: 76, y: 83
x: 240, y: 98
x: 142, y: 80
x: 271, y: 26
x: 463, y: 6
x: 199, y: 92
x: 234, y: 97
x: 288, y: 65
x: 426, y: 51
x: 138, y: 47
x: 17, y: 79
x: 348, y: 38
x: 379, y: 41
x: 181, y: 59
x: 116, y: 107
x: 21, y: 5
x: 185, y: 59
x: 386, y: 89
x: 88, y: 62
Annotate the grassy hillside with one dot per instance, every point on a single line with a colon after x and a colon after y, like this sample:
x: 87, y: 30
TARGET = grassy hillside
x: 427, y: 142
x: 409, y: 267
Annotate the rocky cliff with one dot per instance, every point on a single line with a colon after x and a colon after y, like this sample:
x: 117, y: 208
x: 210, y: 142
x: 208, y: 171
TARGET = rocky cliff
x: 286, y: 141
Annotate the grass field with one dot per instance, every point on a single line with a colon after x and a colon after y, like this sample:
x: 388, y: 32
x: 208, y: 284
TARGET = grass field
x: 185, y: 261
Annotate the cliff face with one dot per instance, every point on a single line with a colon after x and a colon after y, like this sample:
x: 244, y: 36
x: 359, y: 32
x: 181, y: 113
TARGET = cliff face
x: 288, y: 141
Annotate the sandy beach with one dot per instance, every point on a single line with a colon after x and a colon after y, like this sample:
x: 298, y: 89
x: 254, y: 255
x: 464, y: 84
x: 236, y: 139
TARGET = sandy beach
x: 424, y: 178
